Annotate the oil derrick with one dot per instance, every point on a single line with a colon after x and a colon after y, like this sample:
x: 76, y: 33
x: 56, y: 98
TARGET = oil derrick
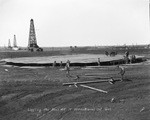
x: 15, y: 47
x: 9, y: 44
x: 15, y: 42
x: 32, y: 43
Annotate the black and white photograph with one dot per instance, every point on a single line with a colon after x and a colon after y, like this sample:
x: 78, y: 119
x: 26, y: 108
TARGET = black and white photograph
x: 74, y: 59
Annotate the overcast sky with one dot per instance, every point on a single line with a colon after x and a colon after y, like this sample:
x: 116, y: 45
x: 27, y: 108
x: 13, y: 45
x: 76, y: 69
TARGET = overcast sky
x: 75, y: 22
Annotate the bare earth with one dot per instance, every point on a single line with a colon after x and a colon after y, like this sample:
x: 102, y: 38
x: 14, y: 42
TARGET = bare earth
x: 32, y: 94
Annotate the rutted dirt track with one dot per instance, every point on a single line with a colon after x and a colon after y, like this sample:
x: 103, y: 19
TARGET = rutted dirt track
x: 30, y: 94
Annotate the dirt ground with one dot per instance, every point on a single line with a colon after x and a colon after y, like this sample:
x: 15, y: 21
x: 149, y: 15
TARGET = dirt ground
x: 38, y: 94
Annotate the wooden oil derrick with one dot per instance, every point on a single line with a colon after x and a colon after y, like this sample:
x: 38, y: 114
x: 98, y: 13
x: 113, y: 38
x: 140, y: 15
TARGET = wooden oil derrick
x: 15, y: 42
x: 32, y: 43
x: 9, y: 44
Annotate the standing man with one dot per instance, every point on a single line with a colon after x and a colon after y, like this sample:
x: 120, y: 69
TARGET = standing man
x: 131, y: 59
x: 127, y: 53
x: 61, y: 63
x: 67, y: 68
x: 127, y: 57
x: 54, y: 64
x: 122, y: 71
x: 99, y: 63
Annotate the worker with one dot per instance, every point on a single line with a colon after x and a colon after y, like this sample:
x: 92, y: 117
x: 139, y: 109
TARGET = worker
x: 61, y: 63
x: 67, y: 68
x: 127, y: 54
x: 99, y: 63
x: 54, y: 64
x: 122, y: 71
x: 131, y: 59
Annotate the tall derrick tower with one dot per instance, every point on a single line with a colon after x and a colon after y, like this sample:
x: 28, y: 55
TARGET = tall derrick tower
x: 32, y: 43
x: 15, y: 42
x: 9, y: 44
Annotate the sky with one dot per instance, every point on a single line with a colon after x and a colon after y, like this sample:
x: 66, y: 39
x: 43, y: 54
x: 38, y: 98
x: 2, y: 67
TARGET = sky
x: 75, y: 22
